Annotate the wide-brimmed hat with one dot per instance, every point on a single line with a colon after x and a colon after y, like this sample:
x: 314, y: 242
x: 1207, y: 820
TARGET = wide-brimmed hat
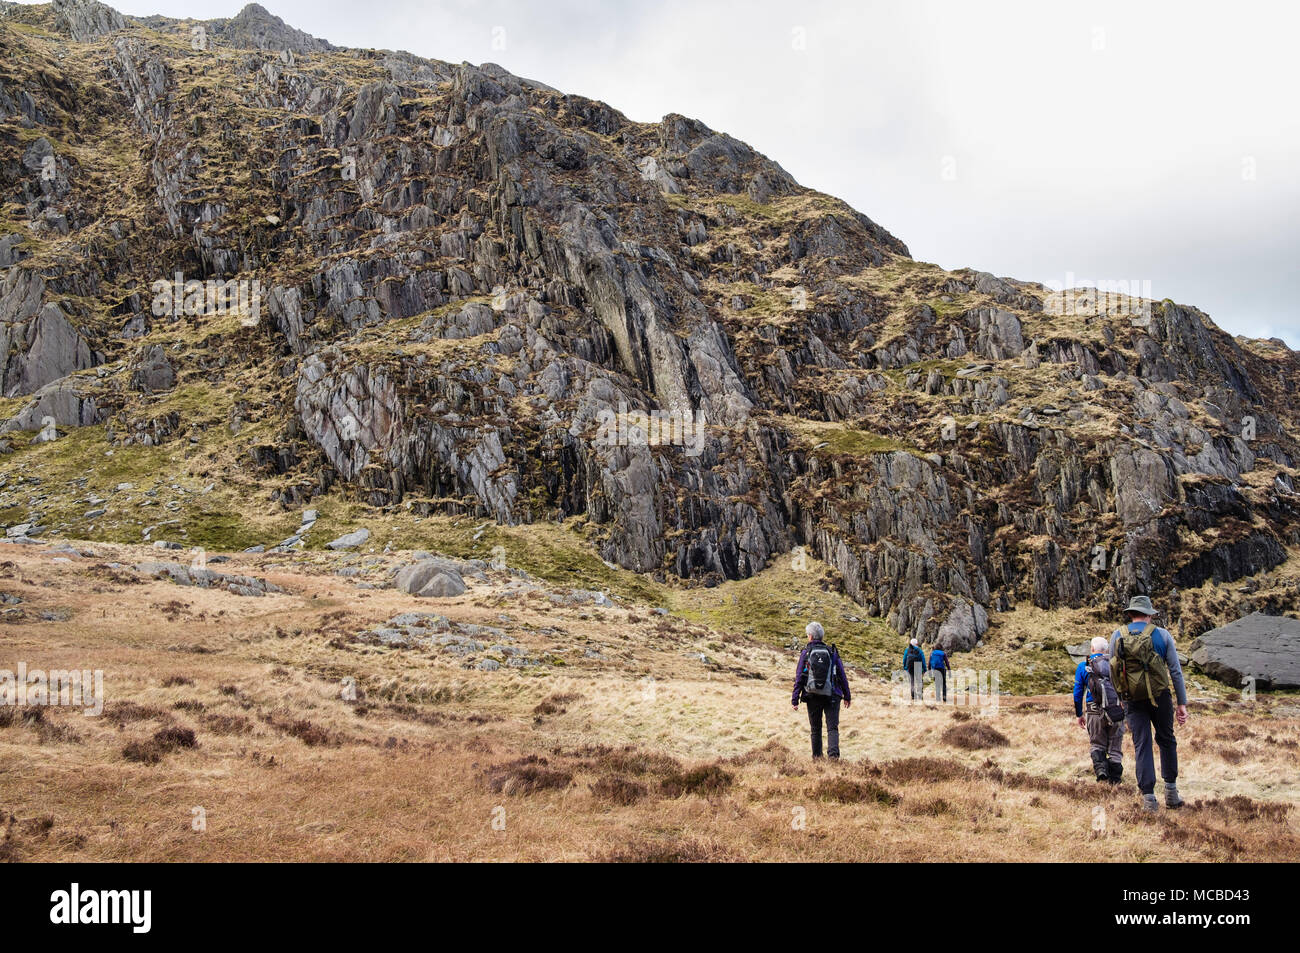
x: 1141, y: 605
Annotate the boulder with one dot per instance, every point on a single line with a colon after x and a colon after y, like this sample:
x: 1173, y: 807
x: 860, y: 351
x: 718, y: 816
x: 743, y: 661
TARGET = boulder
x: 1263, y: 647
x: 429, y: 578
x: 350, y: 540
x: 962, y: 629
x: 50, y: 348
x: 1079, y: 653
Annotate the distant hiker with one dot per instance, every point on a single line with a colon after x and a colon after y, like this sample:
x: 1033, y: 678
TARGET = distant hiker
x: 915, y: 667
x: 1105, y: 718
x: 1144, y: 669
x: 821, y: 682
x: 939, y: 665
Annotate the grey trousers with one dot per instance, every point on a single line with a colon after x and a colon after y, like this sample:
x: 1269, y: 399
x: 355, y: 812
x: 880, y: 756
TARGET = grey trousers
x: 1107, y: 739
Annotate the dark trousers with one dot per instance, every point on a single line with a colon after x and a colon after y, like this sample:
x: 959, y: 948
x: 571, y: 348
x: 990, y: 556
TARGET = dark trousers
x: 940, y: 684
x: 819, y: 705
x: 1144, y: 719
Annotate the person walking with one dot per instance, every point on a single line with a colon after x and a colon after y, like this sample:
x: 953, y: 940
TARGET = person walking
x: 939, y: 665
x: 821, y: 682
x: 1105, y: 714
x: 915, y: 667
x: 1146, y: 673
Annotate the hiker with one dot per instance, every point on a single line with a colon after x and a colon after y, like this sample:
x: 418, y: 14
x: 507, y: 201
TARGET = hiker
x: 939, y: 665
x: 1105, y: 718
x: 915, y: 667
x: 821, y: 682
x: 1144, y: 669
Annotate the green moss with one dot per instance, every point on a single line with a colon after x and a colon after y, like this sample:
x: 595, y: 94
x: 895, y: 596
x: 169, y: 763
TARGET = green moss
x: 950, y: 309
x: 84, y: 452
x: 762, y: 302
x: 222, y: 530
x: 947, y: 368
x: 850, y: 440
x: 761, y: 608
x: 562, y: 554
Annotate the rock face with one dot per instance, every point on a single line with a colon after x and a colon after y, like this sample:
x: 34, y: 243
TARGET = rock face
x: 256, y: 28
x: 1265, y: 648
x: 63, y: 400
x: 459, y: 291
x: 153, y: 372
x: 86, y: 19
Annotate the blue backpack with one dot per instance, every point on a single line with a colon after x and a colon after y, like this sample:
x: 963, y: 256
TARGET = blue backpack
x: 939, y: 660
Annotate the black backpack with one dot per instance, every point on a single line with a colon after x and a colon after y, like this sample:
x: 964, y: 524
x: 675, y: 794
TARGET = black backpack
x: 819, y: 670
x: 1103, y: 690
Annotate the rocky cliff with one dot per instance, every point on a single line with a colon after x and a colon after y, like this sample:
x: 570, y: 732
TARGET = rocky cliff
x: 447, y: 282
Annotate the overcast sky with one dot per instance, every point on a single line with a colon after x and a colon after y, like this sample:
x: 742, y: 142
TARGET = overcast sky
x: 1151, y: 142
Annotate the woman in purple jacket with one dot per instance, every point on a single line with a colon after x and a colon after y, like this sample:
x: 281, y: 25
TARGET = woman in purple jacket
x: 821, y: 682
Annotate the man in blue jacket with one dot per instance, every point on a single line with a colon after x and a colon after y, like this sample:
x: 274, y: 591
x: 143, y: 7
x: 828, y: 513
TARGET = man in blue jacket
x: 939, y: 665
x: 1104, y: 722
x: 1157, y: 717
x: 821, y: 682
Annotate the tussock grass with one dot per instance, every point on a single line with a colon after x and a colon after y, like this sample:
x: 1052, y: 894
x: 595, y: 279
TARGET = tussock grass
x: 973, y: 735
x: 848, y: 791
x: 619, y: 790
x: 526, y: 776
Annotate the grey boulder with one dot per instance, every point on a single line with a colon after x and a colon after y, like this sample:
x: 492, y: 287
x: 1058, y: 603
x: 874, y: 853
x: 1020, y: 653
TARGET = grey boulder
x: 1263, y: 647
x: 350, y: 540
x: 429, y: 578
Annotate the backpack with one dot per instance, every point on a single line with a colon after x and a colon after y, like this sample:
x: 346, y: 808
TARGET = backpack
x: 819, y: 670
x: 1103, y: 691
x: 939, y: 660
x: 1137, y: 670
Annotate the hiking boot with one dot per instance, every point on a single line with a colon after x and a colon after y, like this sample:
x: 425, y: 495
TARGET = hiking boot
x: 1172, y: 798
x: 1149, y: 803
x: 1099, y: 766
x: 1115, y: 771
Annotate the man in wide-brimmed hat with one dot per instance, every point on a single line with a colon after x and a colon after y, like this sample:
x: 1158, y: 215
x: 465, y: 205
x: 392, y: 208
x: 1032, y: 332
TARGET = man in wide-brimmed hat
x: 1146, y: 673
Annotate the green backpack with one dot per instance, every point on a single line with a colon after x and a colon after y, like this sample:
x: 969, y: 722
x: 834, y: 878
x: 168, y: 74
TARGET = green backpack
x: 1137, y: 670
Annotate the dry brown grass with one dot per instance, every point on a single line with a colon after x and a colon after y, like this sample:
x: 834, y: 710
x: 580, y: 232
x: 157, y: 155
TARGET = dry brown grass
x: 644, y: 755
